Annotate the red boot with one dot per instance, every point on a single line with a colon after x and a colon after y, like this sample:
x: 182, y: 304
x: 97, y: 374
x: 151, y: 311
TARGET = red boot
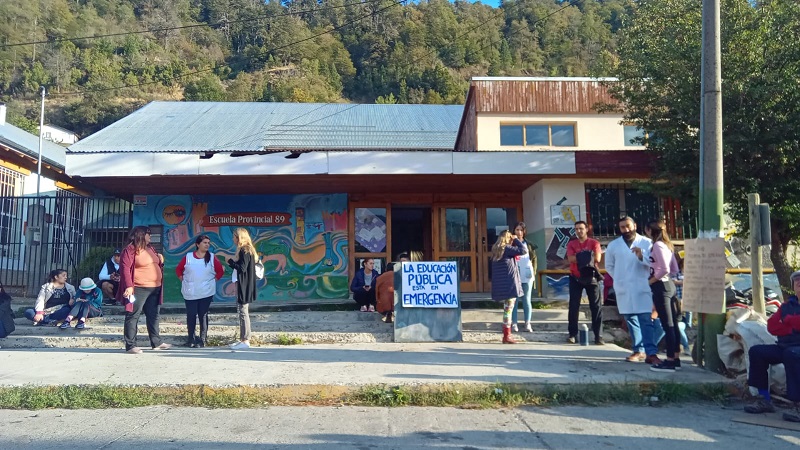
x: 507, y: 339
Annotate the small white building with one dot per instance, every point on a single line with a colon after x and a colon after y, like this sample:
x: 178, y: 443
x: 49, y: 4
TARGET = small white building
x: 59, y: 135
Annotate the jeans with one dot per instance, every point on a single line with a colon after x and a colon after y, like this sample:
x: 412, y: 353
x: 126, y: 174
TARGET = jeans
x: 83, y: 310
x: 55, y: 316
x: 147, y: 301
x: 364, y: 298
x: 593, y: 293
x: 243, y: 310
x: 525, y: 299
x: 640, y: 327
x: 197, y: 309
x: 762, y: 356
x: 667, y: 307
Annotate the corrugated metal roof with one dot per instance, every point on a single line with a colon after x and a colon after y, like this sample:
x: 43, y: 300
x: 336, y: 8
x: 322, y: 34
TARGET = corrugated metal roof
x: 27, y: 143
x: 254, y: 127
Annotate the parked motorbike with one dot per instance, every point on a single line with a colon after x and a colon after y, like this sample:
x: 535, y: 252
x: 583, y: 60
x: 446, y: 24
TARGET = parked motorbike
x: 734, y: 298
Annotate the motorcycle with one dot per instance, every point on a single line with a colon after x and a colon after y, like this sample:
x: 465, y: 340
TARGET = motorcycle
x: 735, y: 298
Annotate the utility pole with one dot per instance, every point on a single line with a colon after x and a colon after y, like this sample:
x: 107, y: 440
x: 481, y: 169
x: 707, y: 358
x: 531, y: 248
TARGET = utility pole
x: 711, y: 189
x: 41, y: 132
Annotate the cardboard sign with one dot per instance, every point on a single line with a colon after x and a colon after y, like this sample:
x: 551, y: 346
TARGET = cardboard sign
x: 704, y: 276
x: 430, y: 285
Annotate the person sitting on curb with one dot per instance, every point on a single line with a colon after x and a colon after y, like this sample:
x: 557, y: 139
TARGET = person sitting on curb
x: 87, y: 304
x: 109, y: 277
x: 785, y: 324
x: 53, y: 302
x: 384, y: 289
x: 363, y: 285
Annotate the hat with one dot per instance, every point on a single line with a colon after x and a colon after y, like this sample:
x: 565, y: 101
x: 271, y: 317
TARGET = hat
x: 117, y: 251
x: 794, y: 275
x: 87, y: 284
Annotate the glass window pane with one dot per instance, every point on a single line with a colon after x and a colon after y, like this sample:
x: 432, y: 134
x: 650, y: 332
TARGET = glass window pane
x: 604, y: 210
x: 563, y: 135
x: 632, y: 133
x: 370, y: 230
x: 511, y: 135
x: 464, y: 266
x: 537, y: 135
x: 380, y: 263
x: 455, y: 235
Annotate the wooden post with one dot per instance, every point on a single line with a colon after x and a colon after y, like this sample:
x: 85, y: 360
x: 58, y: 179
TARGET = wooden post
x: 756, y: 260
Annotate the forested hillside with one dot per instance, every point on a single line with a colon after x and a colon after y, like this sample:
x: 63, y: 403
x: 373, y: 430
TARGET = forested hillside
x: 296, y: 51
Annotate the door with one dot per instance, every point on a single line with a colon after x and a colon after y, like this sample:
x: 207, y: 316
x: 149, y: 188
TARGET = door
x: 454, y: 240
x: 492, y: 220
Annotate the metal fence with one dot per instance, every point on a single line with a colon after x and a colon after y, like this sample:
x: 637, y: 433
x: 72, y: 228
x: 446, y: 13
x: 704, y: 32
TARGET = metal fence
x: 40, y: 234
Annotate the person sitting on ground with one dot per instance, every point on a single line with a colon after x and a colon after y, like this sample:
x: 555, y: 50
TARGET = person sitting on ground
x: 109, y: 277
x: 53, y: 302
x: 363, y: 285
x: 785, y: 324
x: 384, y: 289
x: 88, y: 303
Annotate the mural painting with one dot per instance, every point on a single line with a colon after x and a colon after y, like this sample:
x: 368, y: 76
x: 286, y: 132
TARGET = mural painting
x: 300, y: 239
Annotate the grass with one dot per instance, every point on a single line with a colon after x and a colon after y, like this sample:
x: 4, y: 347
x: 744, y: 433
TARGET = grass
x: 289, y: 340
x: 463, y: 396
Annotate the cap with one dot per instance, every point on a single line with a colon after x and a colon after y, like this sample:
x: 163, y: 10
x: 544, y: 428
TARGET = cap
x: 117, y: 251
x: 794, y: 275
x: 87, y: 284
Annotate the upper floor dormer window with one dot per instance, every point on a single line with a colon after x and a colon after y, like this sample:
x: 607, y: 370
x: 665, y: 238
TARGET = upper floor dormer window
x: 538, y: 134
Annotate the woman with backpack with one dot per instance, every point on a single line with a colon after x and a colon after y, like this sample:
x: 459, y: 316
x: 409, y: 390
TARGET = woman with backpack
x: 506, y: 284
x: 527, y: 272
x: 244, y: 275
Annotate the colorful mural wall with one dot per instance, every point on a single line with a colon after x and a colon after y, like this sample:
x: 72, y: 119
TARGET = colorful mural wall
x: 301, y: 240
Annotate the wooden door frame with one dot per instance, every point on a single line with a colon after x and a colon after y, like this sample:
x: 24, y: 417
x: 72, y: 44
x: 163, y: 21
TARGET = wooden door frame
x: 484, y: 284
x: 470, y: 286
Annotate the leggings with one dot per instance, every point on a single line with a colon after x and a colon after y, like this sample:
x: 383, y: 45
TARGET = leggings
x: 197, y: 309
x: 667, y: 307
x: 508, y: 306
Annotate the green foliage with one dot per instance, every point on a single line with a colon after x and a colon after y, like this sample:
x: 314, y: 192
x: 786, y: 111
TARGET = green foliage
x: 92, y: 263
x: 289, y: 340
x: 206, y: 89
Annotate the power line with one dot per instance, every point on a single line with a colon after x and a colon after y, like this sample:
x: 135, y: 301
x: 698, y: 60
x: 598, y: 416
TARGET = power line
x: 215, y: 25
x: 208, y: 69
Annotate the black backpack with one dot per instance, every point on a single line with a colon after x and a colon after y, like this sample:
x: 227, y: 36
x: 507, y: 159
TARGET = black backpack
x: 589, y: 274
x: 6, y: 314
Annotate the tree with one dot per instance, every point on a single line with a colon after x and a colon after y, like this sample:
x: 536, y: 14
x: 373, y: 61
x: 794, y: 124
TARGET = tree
x: 659, y: 72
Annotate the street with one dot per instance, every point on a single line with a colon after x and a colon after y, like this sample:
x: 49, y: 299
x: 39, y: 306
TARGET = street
x: 691, y: 426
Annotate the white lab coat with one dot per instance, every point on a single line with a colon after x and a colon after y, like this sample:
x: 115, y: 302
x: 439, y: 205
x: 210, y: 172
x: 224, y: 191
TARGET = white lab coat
x: 630, y: 275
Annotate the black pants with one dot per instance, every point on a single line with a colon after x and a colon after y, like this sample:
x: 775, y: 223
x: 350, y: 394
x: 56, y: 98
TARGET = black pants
x: 364, y: 298
x: 763, y: 356
x: 198, y: 309
x: 593, y: 292
x: 667, y: 307
x: 146, y: 301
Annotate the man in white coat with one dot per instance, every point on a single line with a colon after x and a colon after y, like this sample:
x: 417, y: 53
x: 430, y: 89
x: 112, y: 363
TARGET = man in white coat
x: 634, y: 298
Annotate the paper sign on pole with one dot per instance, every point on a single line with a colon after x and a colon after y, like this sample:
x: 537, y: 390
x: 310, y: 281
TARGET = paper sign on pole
x: 704, y: 276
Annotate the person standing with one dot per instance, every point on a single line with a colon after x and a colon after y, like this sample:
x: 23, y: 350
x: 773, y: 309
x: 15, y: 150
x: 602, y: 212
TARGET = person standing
x: 634, y: 297
x: 53, y: 302
x: 109, y: 277
x: 506, y: 285
x: 140, y: 289
x: 526, y: 264
x: 244, y: 275
x: 585, y: 278
x: 198, y: 271
x: 363, y: 285
x: 662, y: 263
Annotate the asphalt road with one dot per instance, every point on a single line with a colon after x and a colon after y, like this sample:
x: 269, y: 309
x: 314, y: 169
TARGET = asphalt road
x: 695, y: 426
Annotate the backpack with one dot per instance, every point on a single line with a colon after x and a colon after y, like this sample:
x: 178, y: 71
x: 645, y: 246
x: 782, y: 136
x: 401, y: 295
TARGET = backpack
x: 259, y: 270
x: 6, y: 314
x: 589, y: 274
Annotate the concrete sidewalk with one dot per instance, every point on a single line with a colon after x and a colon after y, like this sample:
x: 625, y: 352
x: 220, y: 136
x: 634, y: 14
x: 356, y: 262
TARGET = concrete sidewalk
x: 348, y: 365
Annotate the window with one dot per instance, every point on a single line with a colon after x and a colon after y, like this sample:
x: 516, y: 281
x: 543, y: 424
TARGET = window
x: 539, y: 134
x: 634, y: 136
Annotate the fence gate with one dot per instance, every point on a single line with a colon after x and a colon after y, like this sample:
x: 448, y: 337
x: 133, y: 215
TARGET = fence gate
x: 39, y: 234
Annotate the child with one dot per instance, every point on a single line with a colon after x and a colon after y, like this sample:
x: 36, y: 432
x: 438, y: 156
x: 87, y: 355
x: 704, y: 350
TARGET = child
x: 87, y: 304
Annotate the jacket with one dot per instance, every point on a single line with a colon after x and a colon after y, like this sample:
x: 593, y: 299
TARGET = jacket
x: 526, y: 265
x: 245, y: 268
x: 384, y: 292
x: 44, y: 295
x: 358, y: 280
x: 506, y: 283
x: 126, y: 267
x: 198, y: 278
x: 630, y: 275
x: 785, y: 323
x: 95, y: 297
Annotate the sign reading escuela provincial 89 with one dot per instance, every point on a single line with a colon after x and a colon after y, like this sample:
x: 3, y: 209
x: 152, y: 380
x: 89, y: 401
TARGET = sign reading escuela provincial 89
x: 430, y: 284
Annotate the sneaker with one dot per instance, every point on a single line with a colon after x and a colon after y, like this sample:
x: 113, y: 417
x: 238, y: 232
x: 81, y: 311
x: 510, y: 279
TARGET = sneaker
x: 792, y: 416
x: 163, y: 346
x: 528, y: 327
x: 134, y: 350
x: 64, y: 325
x: 636, y: 357
x: 663, y: 366
x: 599, y: 341
x: 571, y: 340
x: 80, y: 325
x: 199, y: 342
x: 371, y: 308
x: 759, y: 406
x: 652, y: 360
x: 364, y: 308
x: 240, y: 346
x: 515, y: 328
x: 677, y: 363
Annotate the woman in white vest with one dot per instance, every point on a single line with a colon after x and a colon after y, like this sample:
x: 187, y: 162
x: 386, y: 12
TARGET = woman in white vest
x: 199, y: 271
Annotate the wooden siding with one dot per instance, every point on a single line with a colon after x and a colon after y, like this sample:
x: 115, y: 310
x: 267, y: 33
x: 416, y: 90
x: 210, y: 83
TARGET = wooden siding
x: 615, y: 163
x: 539, y: 96
x: 467, y: 139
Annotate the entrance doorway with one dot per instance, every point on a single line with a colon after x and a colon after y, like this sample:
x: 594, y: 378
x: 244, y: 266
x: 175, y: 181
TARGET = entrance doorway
x: 411, y: 232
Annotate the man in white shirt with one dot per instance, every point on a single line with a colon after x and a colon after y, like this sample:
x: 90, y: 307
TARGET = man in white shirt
x: 109, y: 277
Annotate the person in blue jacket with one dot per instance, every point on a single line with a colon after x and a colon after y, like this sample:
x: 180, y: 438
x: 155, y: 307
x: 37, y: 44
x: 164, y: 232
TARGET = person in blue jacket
x: 363, y: 285
x: 88, y: 303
